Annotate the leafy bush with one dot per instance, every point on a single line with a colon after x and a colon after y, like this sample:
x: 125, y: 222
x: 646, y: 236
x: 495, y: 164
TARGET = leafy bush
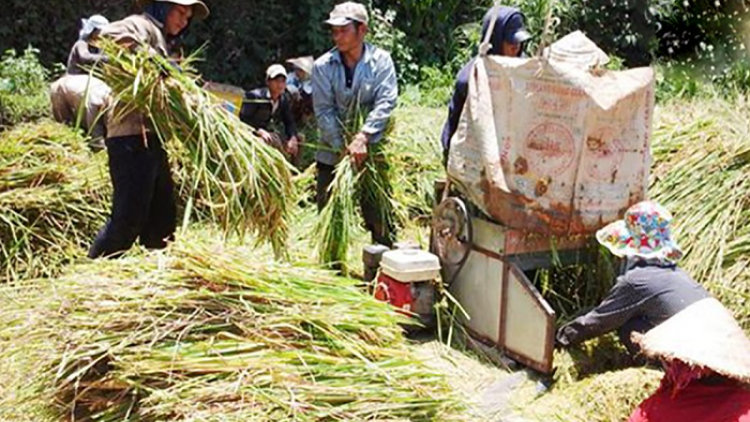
x: 385, y: 35
x: 23, y: 87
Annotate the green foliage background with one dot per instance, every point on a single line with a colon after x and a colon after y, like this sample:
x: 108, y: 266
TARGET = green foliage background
x: 429, y: 39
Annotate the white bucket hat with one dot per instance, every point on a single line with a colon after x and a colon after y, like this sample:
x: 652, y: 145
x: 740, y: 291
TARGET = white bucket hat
x: 88, y: 26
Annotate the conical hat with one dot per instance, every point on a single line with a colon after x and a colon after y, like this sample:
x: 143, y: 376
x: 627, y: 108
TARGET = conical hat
x: 305, y: 63
x: 200, y: 10
x: 703, y: 334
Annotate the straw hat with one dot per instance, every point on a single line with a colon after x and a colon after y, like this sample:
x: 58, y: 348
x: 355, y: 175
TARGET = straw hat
x: 305, y: 63
x: 200, y: 10
x: 703, y: 334
x: 643, y: 233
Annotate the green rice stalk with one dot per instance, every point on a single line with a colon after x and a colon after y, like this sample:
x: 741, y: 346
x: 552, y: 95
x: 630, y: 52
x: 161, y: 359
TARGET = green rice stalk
x: 54, y: 196
x: 702, y: 158
x: 369, y: 184
x: 244, y: 184
x: 205, y: 330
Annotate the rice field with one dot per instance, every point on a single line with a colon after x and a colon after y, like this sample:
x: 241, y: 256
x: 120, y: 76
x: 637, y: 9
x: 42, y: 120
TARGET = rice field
x: 215, y: 329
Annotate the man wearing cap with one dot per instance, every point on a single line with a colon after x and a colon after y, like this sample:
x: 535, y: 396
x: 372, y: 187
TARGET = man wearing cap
x: 143, y: 202
x: 272, y: 103
x: 507, y: 39
x: 77, y: 89
x: 652, y: 289
x: 353, y: 75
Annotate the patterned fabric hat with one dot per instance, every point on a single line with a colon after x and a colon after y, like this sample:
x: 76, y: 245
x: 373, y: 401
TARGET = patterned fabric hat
x: 643, y: 233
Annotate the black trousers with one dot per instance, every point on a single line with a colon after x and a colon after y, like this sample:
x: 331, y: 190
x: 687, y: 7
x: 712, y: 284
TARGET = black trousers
x: 143, y: 203
x: 382, y: 232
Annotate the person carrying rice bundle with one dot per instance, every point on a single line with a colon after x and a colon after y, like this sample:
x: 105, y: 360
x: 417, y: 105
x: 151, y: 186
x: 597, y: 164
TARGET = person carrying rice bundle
x: 143, y: 203
x: 355, y: 76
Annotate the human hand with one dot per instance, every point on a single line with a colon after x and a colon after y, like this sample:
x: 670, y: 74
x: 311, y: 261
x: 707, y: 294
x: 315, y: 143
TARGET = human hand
x: 357, y: 149
x: 292, y: 146
x: 265, y: 136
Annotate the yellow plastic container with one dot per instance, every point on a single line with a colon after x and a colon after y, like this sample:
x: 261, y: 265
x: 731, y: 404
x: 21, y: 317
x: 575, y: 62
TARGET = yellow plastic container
x: 231, y: 96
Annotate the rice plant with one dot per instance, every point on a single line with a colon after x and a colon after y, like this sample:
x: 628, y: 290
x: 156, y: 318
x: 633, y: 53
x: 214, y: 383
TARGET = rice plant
x: 242, y: 183
x: 205, y: 332
x: 53, y: 198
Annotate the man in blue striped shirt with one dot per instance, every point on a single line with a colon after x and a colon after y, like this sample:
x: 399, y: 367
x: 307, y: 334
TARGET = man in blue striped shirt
x: 354, y: 74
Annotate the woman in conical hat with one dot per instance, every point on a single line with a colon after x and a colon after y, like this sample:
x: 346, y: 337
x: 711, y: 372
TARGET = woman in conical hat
x: 652, y: 289
x: 706, y: 357
x: 143, y: 204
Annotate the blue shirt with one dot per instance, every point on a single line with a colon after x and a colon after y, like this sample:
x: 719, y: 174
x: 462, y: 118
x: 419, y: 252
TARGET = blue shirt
x: 374, y: 85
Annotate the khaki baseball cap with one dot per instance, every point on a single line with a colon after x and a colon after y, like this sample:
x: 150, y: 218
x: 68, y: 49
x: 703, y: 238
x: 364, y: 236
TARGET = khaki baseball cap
x: 274, y: 71
x: 346, y: 13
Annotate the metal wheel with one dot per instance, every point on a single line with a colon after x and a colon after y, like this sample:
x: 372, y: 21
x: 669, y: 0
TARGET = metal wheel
x: 451, y: 236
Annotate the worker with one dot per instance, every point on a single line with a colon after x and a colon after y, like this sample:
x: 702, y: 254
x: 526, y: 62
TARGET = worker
x: 302, y: 71
x: 271, y: 104
x: 507, y: 39
x: 354, y: 75
x: 143, y: 203
x: 706, y: 358
x: 652, y: 289
x: 85, y: 52
x: 77, y: 98
x: 300, y: 86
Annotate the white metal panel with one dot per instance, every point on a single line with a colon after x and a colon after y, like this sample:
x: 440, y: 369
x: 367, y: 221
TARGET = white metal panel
x: 478, y: 288
x: 529, y: 322
x: 488, y: 236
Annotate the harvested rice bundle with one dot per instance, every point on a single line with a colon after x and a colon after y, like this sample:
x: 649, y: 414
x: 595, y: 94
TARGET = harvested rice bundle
x: 53, y: 198
x: 368, y: 185
x: 207, y: 331
x: 245, y: 184
x: 702, y: 158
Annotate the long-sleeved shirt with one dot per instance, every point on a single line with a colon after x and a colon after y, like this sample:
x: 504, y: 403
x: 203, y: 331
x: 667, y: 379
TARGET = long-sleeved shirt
x: 648, y: 291
x: 374, y: 86
x: 140, y: 31
x: 258, y: 111
x: 82, y: 54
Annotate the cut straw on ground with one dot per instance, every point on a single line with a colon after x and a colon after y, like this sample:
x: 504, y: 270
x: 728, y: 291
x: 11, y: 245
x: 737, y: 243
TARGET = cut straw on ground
x: 205, y: 330
x: 54, y: 196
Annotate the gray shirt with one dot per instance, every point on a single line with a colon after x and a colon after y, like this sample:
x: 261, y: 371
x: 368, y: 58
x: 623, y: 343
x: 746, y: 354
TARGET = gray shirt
x: 374, y: 86
x: 82, y: 54
x: 651, y: 292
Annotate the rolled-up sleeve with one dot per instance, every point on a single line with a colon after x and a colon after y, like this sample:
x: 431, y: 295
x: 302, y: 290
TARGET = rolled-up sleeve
x: 324, y: 103
x: 386, y: 97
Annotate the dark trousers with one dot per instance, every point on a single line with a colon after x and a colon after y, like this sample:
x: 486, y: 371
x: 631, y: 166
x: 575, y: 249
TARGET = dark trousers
x: 143, y: 203
x: 382, y: 232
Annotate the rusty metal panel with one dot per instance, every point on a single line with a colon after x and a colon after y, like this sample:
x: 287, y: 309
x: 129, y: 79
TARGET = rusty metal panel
x: 478, y: 288
x: 528, y: 322
x: 519, y: 242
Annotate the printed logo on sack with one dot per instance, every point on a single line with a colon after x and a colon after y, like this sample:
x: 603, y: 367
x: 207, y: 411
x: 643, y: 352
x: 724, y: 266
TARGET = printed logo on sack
x: 549, y: 149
